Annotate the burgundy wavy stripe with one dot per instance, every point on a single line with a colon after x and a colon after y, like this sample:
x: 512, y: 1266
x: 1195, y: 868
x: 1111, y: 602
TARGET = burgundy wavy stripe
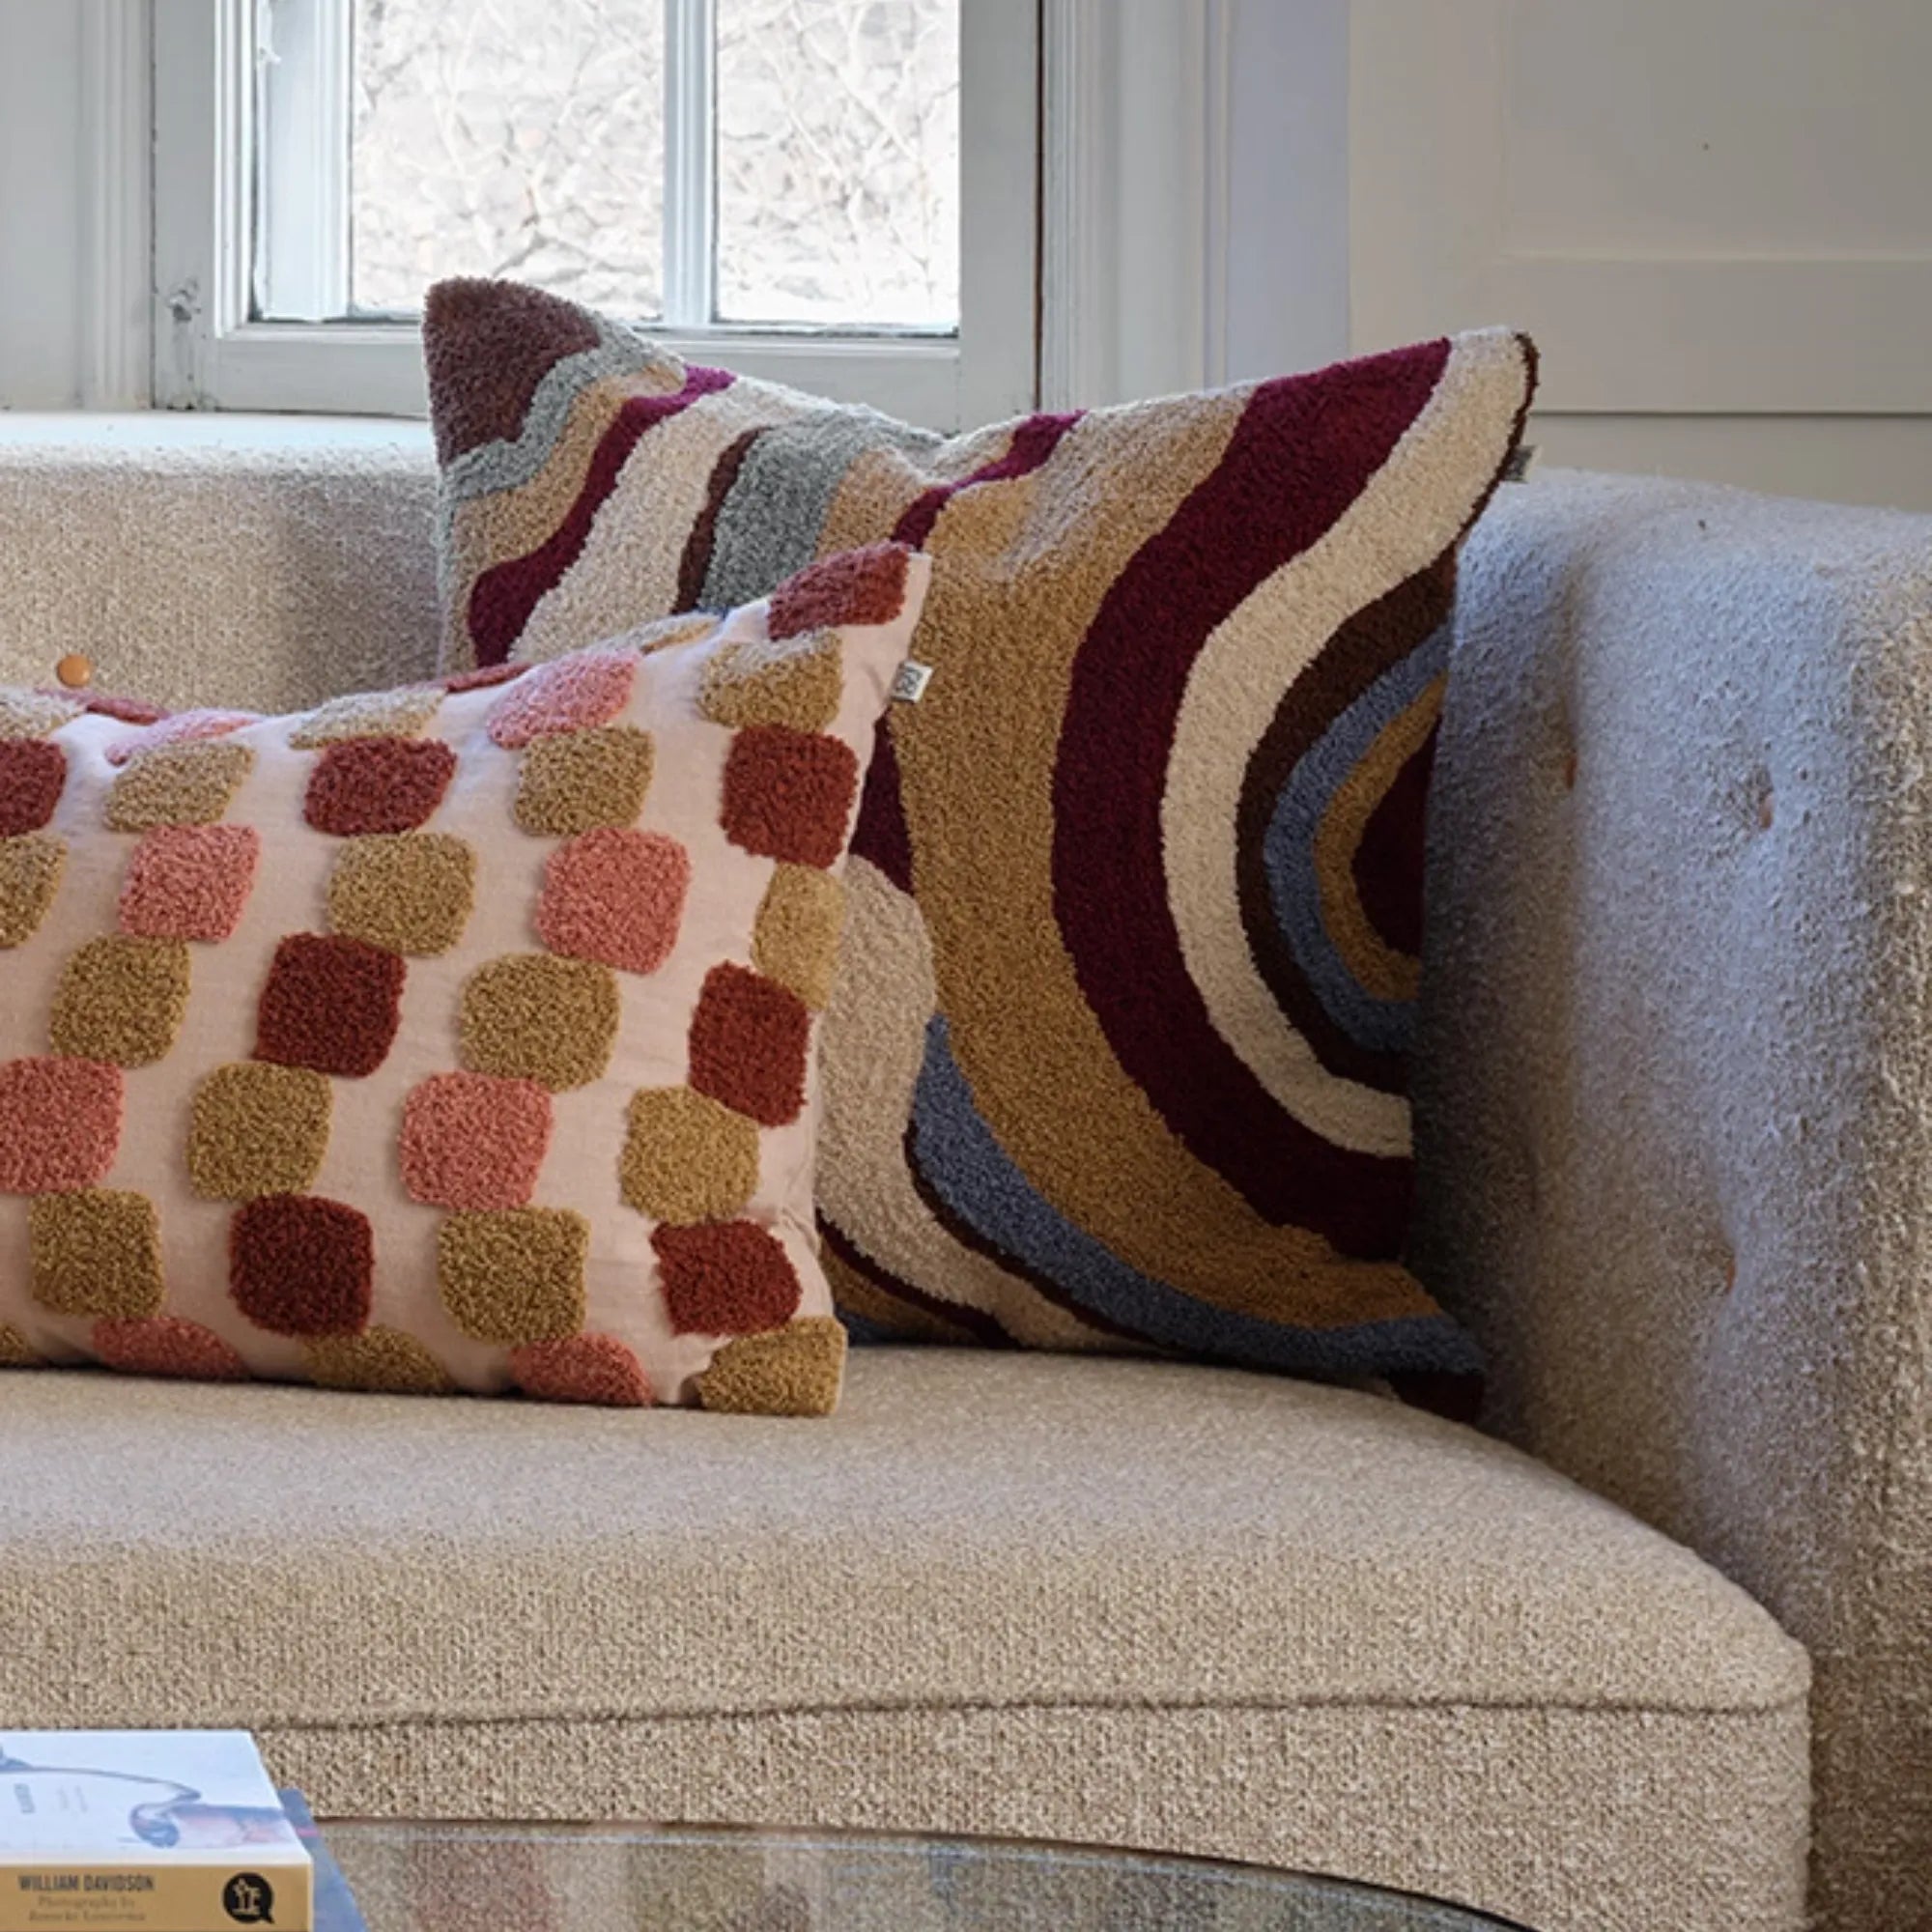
x: 502, y: 598
x: 881, y: 836
x: 974, y: 1322
x: 1305, y: 450
x: 1034, y: 441
x: 696, y: 564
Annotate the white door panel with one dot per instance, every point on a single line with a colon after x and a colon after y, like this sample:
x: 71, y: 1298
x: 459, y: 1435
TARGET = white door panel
x: 1696, y: 206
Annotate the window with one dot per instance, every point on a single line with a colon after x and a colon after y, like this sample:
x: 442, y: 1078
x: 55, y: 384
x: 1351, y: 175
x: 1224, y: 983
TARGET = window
x: 835, y: 193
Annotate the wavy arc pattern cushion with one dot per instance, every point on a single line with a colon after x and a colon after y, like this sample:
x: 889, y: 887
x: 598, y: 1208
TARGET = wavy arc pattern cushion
x: 455, y: 1037
x: 1118, y: 1053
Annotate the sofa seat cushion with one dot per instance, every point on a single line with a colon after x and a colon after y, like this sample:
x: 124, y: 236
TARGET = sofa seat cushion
x: 673, y: 1614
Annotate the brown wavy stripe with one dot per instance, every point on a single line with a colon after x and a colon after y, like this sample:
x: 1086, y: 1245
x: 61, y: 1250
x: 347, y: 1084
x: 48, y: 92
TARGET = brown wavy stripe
x: 876, y: 1295
x: 486, y: 347
x: 1305, y: 451
x: 1377, y: 638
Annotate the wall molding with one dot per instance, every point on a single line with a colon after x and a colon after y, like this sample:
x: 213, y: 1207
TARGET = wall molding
x: 1216, y: 136
x: 1076, y: 202
x: 1134, y: 197
x: 116, y: 195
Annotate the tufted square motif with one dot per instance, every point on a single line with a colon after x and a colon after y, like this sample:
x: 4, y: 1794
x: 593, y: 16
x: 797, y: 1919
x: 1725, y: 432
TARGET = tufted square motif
x: 1115, y: 1050
x: 97, y: 1253
x: 178, y: 784
x: 788, y: 794
x: 405, y: 892
x: 258, y: 1129
x: 378, y: 784
x: 615, y: 895
x: 441, y: 1040
x: 582, y: 781
x: 60, y: 1123
x: 470, y: 1141
x: 30, y: 875
x: 189, y: 882
x: 120, y: 1000
x: 330, y: 1003
x: 297, y: 1266
x: 32, y: 774
x: 748, y: 1040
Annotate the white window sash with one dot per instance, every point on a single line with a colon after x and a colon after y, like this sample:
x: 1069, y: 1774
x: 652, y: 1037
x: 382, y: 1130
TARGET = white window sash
x: 210, y: 353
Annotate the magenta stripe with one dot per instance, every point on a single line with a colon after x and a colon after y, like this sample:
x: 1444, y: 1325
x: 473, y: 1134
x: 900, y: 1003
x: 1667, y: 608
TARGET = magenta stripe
x: 1303, y: 452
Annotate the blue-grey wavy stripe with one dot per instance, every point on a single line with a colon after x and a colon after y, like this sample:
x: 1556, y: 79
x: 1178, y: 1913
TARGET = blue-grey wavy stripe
x: 866, y: 1332
x: 1288, y: 850
x: 770, y: 521
x: 971, y: 1173
x: 509, y: 463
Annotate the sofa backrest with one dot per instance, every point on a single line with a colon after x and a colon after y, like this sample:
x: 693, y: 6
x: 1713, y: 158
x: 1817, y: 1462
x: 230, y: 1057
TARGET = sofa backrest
x: 264, y: 563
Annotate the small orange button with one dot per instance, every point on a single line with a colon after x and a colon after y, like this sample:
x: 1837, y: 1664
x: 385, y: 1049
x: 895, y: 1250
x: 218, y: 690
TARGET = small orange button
x: 74, y: 672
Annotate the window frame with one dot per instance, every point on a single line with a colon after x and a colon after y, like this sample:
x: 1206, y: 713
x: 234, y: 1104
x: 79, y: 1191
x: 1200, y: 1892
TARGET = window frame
x: 210, y: 353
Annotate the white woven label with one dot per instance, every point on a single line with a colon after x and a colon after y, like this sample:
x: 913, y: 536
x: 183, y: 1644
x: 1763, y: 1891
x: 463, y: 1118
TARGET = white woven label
x: 910, y: 682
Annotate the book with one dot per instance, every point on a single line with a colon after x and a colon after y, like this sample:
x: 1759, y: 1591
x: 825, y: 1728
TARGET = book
x: 146, y: 1832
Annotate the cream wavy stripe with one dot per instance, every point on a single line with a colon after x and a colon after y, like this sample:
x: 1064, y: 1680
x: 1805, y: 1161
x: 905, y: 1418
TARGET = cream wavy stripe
x: 869, y: 1056
x: 512, y: 521
x: 627, y: 569
x: 1410, y: 512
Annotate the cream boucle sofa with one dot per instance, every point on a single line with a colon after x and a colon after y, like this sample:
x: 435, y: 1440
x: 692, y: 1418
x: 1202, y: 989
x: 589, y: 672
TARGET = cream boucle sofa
x: 1673, y: 1104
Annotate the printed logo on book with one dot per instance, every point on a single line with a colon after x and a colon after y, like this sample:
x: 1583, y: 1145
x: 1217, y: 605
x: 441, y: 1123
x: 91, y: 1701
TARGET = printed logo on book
x: 249, y: 1899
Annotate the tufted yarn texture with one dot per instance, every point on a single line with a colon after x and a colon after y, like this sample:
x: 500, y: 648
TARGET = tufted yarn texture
x: 1117, y: 1056
x: 1673, y: 1073
x: 1135, y: 1602
x: 323, y: 1058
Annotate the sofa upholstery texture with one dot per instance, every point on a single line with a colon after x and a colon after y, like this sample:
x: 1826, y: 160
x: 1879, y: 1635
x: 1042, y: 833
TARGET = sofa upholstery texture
x: 1675, y: 1117
x: 1671, y: 1106
x: 1104, y: 1599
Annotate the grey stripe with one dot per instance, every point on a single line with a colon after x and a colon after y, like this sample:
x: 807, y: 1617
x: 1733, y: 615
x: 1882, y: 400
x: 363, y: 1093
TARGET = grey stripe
x: 768, y: 526
x: 507, y: 465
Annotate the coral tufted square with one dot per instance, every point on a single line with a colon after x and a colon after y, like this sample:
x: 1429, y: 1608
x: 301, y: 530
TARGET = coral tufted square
x: 457, y: 1037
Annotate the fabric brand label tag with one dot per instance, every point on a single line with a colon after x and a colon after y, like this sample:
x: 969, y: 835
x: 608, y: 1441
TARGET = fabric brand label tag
x: 910, y: 682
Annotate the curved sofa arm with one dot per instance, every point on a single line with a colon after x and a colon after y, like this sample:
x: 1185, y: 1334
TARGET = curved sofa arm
x: 1674, y: 1081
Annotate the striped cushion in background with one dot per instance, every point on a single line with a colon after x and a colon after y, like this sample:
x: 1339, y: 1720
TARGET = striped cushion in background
x: 1117, y: 1056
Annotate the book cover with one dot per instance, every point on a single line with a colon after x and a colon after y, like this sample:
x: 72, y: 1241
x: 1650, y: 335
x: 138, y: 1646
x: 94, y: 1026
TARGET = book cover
x: 145, y: 1832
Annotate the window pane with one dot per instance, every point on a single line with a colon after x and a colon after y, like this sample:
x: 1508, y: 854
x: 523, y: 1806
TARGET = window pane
x: 839, y: 161
x: 508, y: 137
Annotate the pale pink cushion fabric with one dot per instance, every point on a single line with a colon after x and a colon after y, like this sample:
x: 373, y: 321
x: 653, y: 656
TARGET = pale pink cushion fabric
x: 452, y: 1037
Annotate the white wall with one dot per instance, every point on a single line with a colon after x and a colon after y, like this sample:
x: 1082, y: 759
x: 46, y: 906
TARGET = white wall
x: 1714, y: 216
x: 40, y: 213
